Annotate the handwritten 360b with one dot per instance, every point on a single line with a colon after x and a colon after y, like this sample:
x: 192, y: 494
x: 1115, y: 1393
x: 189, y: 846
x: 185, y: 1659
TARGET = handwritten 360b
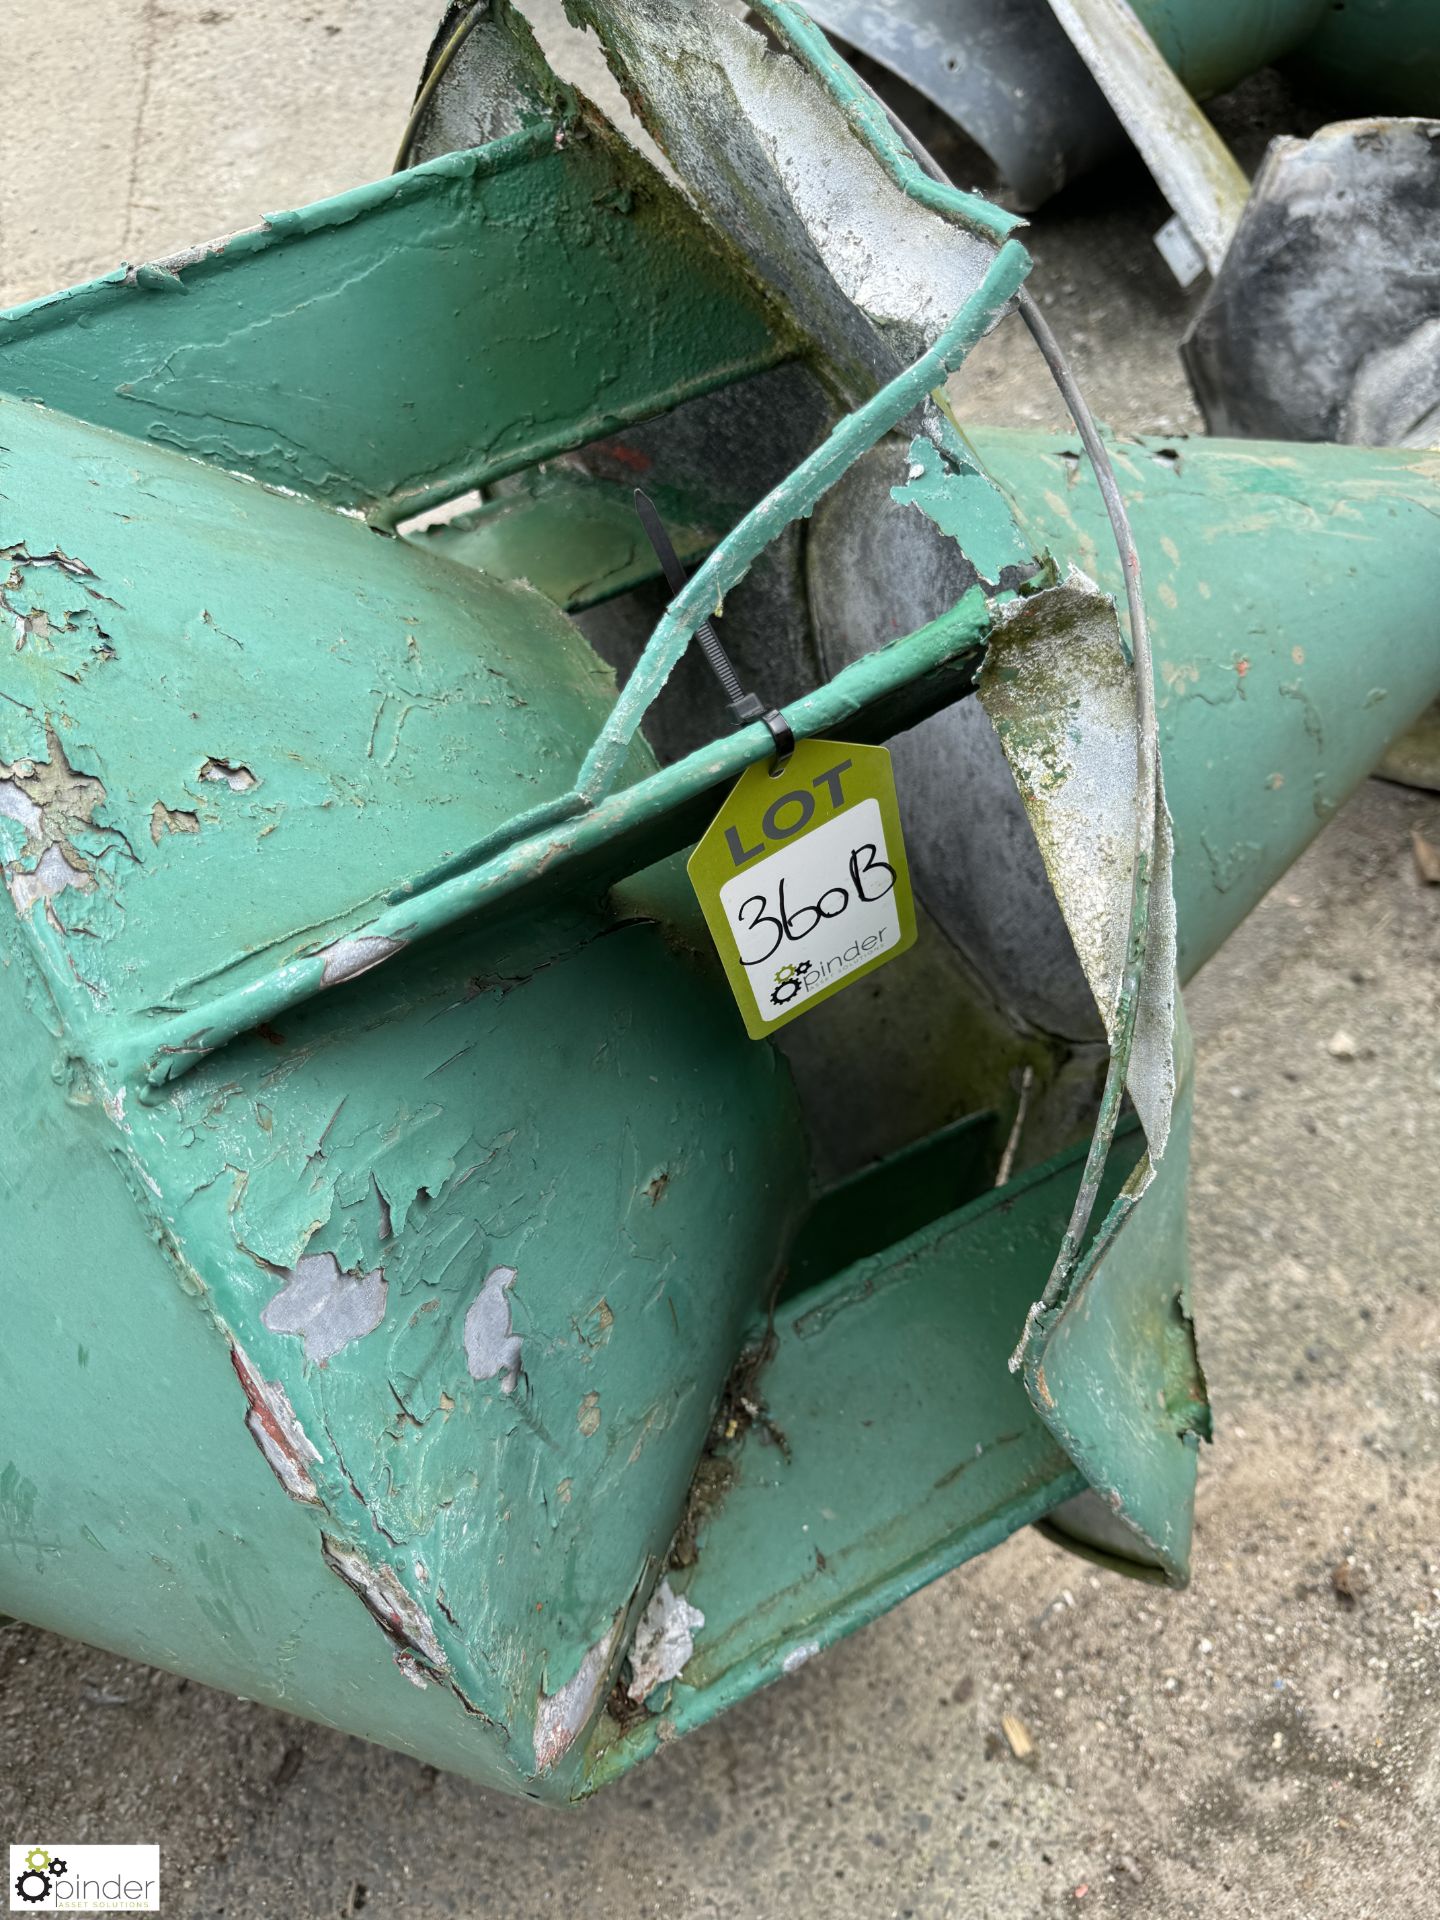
x: 869, y: 875
x: 802, y: 879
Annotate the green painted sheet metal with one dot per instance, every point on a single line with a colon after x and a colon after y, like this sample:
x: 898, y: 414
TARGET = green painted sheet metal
x: 1291, y: 594
x: 894, y: 687
x: 864, y: 1480
x: 792, y: 500
x: 1113, y: 1370
x: 584, y: 852
x: 1213, y: 43
x: 575, y: 538
x: 136, y: 1511
x: 155, y: 588
x: 964, y: 503
x: 455, y: 1262
x: 405, y: 1246
x: 444, y: 1290
x: 321, y: 574
x: 366, y: 1169
x: 401, y: 342
x: 1384, y: 55
x: 880, y: 1204
x: 385, y: 1158
x: 304, y: 541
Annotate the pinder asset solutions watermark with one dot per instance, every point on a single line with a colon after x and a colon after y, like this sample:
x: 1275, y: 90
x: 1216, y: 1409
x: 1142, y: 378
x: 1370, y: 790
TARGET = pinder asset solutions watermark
x: 85, y: 1879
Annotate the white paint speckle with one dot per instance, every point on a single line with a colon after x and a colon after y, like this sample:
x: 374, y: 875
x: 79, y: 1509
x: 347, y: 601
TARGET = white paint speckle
x: 51, y: 875
x: 561, y: 1716
x: 664, y: 1640
x: 490, y: 1345
x: 355, y: 954
x: 326, y: 1307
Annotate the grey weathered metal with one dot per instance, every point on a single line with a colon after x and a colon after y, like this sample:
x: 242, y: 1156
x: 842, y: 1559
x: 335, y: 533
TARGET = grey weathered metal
x: 1002, y: 70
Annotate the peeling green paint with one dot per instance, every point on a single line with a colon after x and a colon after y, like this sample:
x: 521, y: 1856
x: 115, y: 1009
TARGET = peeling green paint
x: 965, y: 503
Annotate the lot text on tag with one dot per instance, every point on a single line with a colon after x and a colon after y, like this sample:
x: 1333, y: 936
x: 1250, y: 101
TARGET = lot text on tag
x: 802, y: 880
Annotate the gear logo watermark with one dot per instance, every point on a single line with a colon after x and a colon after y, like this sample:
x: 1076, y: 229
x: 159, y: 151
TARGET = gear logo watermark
x: 791, y: 980
x: 33, y: 1882
x: 89, y: 1879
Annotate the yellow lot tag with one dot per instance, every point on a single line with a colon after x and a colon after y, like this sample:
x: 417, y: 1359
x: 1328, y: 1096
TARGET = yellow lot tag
x: 803, y: 882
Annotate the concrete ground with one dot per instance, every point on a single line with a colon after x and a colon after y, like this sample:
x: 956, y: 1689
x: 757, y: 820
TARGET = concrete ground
x: 1267, y: 1743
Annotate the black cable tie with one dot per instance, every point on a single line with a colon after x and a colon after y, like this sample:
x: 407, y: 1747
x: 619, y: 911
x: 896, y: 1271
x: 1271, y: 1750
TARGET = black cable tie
x: 745, y: 708
x: 782, y: 736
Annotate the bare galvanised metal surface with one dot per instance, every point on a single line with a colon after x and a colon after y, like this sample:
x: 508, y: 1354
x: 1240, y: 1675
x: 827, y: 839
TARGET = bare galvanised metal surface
x: 400, y: 1208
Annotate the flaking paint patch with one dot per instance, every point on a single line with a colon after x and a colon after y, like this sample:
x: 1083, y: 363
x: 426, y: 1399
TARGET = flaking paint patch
x: 171, y: 265
x: 664, y: 1640
x: 274, y: 1427
x: 491, y: 1344
x: 327, y: 1307
x: 52, y: 802
x: 20, y: 557
x: 228, y: 773
x: 51, y: 875
x: 400, y: 1616
x: 354, y: 955
x: 165, y: 820
x: 561, y: 1717
x: 965, y: 504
